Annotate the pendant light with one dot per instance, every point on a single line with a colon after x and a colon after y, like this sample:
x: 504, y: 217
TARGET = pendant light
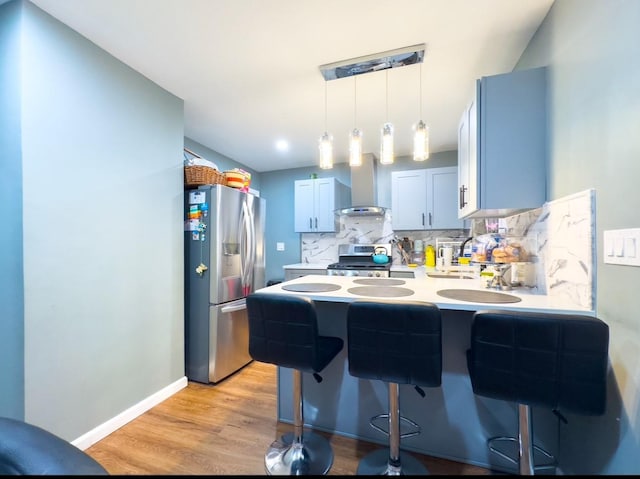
x: 355, y: 138
x: 325, y: 144
x: 420, y: 133
x: 386, y: 141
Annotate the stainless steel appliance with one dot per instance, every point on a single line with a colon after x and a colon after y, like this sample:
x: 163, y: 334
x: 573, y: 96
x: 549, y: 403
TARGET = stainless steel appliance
x: 357, y: 260
x: 224, y: 262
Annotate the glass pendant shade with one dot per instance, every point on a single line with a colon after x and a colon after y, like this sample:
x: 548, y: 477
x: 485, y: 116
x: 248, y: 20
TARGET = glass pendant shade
x: 355, y: 148
x: 420, y: 142
x: 325, y: 148
x: 386, y: 144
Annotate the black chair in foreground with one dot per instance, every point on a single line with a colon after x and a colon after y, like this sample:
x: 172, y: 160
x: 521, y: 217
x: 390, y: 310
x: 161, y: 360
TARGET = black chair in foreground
x: 538, y: 359
x: 283, y: 330
x: 398, y: 343
x: 28, y: 450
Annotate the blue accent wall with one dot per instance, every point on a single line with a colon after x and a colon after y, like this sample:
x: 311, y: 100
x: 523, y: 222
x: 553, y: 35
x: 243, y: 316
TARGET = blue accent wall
x: 11, y: 280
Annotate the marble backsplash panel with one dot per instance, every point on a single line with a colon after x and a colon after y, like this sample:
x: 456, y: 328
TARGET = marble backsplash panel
x: 559, y: 238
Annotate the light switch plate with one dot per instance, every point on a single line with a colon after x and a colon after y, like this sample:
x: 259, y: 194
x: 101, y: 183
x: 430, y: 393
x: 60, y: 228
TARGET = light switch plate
x: 622, y: 247
x: 279, y: 246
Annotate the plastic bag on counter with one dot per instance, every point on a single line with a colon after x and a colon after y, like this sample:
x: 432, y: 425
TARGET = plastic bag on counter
x: 495, y: 248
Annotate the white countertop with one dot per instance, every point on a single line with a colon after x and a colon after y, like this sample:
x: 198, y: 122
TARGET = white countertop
x: 425, y: 289
x: 306, y: 266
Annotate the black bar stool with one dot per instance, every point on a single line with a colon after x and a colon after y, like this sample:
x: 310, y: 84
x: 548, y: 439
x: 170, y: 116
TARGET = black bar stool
x: 283, y: 330
x: 538, y: 359
x: 399, y: 343
x: 29, y: 450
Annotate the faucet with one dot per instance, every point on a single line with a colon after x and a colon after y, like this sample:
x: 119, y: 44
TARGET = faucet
x: 463, y: 245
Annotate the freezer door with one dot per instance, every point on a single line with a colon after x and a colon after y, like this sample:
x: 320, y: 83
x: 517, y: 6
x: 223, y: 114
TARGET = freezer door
x: 228, y: 339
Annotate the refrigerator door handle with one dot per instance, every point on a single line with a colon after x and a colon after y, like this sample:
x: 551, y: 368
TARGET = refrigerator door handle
x: 246, y: 250
x: 236, y: 306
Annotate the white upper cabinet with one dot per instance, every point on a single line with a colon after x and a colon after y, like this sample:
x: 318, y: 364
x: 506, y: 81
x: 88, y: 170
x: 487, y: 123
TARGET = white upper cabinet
x: 315, y: 202
x: 502, y: 145
x: 425, y: 199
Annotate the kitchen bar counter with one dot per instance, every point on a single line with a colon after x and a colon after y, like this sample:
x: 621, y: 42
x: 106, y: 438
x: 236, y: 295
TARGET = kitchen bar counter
x: 455, y: 423
x: 425, y: 289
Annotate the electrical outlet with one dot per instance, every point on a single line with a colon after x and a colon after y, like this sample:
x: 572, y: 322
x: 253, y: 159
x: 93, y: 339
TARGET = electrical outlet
x: 279, y: 246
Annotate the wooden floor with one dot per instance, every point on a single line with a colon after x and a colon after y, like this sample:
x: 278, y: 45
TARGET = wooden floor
x: 224, y: 429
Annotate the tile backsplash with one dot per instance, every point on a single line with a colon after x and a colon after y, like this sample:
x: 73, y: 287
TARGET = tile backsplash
x: 323, y: 247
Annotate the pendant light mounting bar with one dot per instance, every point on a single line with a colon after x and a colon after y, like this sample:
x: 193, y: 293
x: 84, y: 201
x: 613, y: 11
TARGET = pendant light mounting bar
x: 399, y: 57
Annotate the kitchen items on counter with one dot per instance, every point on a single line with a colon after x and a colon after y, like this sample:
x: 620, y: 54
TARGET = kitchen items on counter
x: 492, y: 248
x: 380, y: 255
x: 445, y: 256
x: 430, y: 256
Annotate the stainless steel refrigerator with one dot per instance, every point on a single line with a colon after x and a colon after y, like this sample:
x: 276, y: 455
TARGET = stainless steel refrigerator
x: 224, y: 262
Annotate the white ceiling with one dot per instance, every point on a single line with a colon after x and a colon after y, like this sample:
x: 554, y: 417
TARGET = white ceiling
x: 248, y: 73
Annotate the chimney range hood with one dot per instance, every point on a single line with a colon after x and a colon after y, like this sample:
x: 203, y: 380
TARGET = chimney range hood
x: 363, y: 190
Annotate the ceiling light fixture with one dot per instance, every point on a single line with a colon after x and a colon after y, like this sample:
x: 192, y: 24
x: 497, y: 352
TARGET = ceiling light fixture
x: 325, y: 145
x: 355, y: 138
x: 386, y: 141
x: 368, y: 64
x: 373, y: 63
x: 420, y: 134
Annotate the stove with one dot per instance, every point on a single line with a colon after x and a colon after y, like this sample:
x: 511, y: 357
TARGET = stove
x: 357, y: 260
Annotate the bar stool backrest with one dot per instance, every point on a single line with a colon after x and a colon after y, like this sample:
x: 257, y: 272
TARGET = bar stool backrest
x: 283, y: 330
x: 540, y: 359
x: 395, y: 342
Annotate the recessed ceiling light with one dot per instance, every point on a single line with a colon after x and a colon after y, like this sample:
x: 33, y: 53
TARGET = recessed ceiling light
x: 282, y: 145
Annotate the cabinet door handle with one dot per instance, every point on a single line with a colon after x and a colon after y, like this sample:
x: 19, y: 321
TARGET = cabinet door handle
x: 316, y: 222
x: 462, y: 201
x: 429, y: 219
x: 310, y: 223
x: 422, y: 219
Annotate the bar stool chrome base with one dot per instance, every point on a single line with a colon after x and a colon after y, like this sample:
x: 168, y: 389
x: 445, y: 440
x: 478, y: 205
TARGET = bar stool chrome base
x: 542, y: 460
x: 377, y: 463
x: 525, y: 453
x: 286, y: 457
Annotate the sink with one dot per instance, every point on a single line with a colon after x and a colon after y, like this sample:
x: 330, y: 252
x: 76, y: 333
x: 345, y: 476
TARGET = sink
x: 449, y: 275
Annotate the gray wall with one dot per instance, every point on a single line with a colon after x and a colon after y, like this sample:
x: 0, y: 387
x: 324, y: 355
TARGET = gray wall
x: 11, y: 286
x: 592, y: 48
x: 103, y: 242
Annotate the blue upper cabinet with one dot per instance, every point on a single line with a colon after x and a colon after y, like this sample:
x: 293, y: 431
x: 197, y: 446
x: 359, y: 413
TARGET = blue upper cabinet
x: 502, y: 146
x: 315, y: 201
x: 424, y: 199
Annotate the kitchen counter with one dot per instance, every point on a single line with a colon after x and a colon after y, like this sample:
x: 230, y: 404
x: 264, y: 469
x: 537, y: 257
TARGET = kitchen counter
x: 455, y: 422
x: 425, y: 288
x: 306, y: 266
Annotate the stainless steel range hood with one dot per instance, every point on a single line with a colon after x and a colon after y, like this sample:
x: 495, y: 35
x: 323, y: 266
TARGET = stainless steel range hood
x: 363, y: 189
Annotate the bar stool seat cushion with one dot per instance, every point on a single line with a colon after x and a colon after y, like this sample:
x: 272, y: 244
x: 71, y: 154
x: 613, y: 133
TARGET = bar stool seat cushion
x: 540, y: 359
